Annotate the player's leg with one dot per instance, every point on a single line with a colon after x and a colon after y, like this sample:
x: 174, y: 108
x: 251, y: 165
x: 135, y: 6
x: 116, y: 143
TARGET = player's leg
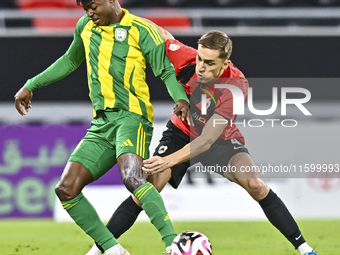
x: 134, y: 179
x: 126, y: 214
x: 158, y: 181
x: 273, y: 207
x: 91, y: 159
x: 250, y: 181
x: 133, y: 138
x: 74, y: 178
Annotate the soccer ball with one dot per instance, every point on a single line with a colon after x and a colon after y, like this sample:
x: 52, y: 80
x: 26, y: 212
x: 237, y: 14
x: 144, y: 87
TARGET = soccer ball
x: 191, y: 243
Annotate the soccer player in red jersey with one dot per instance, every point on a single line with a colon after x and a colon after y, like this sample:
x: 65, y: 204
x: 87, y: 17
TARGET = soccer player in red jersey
x: 198, y: 71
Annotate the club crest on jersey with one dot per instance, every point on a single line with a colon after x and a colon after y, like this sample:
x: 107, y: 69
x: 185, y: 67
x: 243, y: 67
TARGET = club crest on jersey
x: 120, y: 34
x: 162, y: 149
x: 174, y: 47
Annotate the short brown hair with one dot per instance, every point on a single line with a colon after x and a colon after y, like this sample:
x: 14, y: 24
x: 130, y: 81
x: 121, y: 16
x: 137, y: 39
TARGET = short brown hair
x: 217, y: 40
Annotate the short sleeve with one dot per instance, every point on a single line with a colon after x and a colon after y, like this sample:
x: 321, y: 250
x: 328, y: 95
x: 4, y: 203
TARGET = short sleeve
x: 180, y: 54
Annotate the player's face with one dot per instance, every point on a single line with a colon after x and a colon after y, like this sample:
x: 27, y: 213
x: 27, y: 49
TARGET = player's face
x: 209, y: 67
x: 102, y: 12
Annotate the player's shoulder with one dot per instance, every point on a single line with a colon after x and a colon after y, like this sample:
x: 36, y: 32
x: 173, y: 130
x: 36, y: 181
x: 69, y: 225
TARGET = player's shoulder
x: 234, y: 72
x: 234, y: 76
x: 141, y: 24
x: 173, y: 45
x: 82, y: 22
x: 179, y: 52
x: 145, y: 30
x: 180, y: 55
x: 131, y: 20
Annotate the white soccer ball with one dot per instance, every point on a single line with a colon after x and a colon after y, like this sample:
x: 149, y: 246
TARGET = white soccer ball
x: 191, y: 243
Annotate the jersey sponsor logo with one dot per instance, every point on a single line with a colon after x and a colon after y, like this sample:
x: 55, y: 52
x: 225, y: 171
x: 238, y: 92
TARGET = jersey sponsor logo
x: 126, y: 143
x: 162, y: 149
x: 196, y: 116
x: 120, y: 34
x: 174, y: 47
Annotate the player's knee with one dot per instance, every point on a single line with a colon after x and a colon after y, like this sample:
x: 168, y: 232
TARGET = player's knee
x: 65, y: 192
x: 256, y: 188
x: 159, y: 180
x: 132, y: 182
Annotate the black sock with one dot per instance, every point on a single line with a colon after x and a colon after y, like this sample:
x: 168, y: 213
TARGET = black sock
x: 123, y: 218
x: 278, y: 214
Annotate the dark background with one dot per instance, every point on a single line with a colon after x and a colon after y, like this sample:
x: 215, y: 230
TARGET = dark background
x: 256, y: 57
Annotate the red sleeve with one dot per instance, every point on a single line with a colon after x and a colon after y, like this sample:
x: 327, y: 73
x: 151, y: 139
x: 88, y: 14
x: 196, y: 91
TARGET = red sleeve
x: 179, y: 54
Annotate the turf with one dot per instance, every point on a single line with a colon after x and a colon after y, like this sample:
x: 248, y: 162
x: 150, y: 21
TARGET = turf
x: 228, y: 237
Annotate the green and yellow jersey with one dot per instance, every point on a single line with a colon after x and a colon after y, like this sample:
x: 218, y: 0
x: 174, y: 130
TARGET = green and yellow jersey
x: 116, y: 57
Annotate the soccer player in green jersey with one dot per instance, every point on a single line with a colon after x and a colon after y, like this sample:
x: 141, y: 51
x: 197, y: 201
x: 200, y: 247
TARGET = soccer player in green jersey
x: 116, y: 46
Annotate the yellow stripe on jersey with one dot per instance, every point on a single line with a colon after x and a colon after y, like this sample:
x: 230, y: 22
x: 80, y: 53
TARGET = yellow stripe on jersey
x: 130, y: 69
x: 141, y: 142
x: 138, y: 138
x: 104, y: 62
x: 151, y: 29
x: 140, y: 148
x: 144, y: 144
x: 86, y: 36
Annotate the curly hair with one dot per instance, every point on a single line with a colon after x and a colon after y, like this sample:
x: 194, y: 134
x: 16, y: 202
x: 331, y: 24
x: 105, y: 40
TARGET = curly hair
x: 84, y: 2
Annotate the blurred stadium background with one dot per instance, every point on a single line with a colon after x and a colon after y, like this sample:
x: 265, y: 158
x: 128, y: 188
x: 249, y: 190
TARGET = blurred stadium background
x: 288, y: 42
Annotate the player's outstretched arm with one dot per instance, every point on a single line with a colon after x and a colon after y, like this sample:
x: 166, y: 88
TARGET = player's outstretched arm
x: 210, y: 133
x: 23, y: 99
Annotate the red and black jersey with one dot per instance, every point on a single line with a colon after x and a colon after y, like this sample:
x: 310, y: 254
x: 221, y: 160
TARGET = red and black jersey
x: 220, y: 100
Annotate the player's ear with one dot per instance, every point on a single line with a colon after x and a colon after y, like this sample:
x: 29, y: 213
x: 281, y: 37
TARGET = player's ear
x: 226, y: 64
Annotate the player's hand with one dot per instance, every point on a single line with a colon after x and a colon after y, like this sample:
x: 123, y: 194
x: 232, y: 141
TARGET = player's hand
x: 23, y: 98
x: 182, y: 110
x: 155, y: 165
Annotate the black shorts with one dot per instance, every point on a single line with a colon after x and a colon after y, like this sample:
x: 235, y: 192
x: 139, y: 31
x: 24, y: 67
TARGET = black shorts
x: 174, y: 139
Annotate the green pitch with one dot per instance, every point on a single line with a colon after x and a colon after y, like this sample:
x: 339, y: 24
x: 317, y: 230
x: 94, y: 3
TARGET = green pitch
x: 23, y: 237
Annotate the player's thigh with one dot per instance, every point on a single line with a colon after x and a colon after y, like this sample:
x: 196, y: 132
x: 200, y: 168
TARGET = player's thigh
x: 95, y: 154
x: 247, y: 175
x: 133, y: 135
x: 242, y: 166
x: 219, y: 156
